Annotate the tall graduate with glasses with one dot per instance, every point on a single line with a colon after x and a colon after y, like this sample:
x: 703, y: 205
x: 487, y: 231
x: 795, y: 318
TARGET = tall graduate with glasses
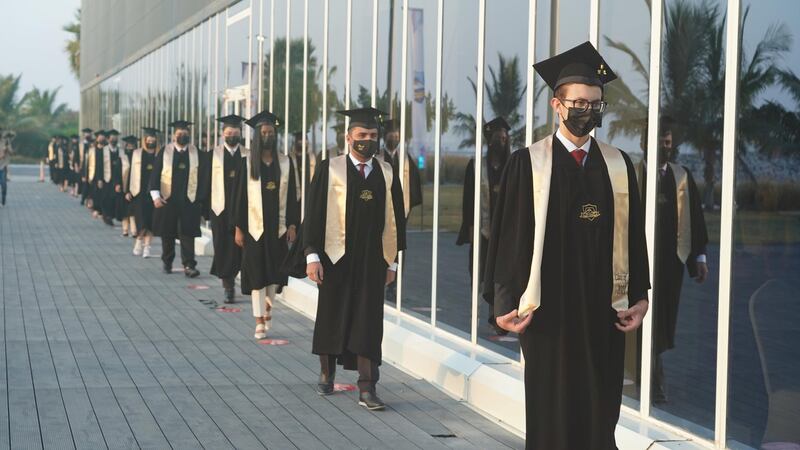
x: 266, y: 214
x: 140, y: 203
x: 353, y: 228
x: 226, y: 160
x: 179, y: 187
x: 567, y: 264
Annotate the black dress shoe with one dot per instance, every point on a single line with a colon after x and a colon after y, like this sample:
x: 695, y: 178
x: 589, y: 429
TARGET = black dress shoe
x: 167, y: 268
x: 325, y: 384
x: 108, y: 221
x: 229, y: 295
x: 191, y: 272
x: 370, y: 401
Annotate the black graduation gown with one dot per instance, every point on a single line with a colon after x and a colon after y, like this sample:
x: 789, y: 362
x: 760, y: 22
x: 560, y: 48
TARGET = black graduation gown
x: 415, y: 185
x: 141, y: 206
x: 468, y: 209
x: 95, y: 191
x: 669, y: 268
x: 120, y: 204
x: 573, y: 352
x: 83, y: 186
x: 262, y: 258
x: 227, y: 255
x: 180, y: 217
x: 350, y: 307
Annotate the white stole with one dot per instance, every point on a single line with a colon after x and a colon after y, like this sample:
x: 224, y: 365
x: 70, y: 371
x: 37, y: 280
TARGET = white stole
x: 107, y: 164
x: 166, y: 172
x: 218, y: 177
x: 684, y: 213
x: 541, y: 154
x: 255, y: 205
x: 136, y: 172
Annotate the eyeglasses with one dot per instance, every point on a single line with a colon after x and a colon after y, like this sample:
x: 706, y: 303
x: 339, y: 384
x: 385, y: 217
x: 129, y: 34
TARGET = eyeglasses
x: 584, y: 105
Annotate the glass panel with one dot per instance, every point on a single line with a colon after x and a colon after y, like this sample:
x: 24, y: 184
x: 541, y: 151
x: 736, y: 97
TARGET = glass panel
x: 279, y: 71
x: 420, y: 115
x: 454, y: 267
x: 239, y: 54
x: 625, y: 44
x: 221, y: 70
x: 505, y: 75
x: 264, y: 51
x: 337, y: 58
x: 764, y: 372
x: 315, y: 90
x: 685, y: 294
x: 294, y: 115
x: 361, y: 54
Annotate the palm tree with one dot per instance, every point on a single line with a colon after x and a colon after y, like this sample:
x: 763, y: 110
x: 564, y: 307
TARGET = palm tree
x: 73, y: 44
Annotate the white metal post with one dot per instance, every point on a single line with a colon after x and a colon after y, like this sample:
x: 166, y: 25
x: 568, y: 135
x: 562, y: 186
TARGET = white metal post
x: 305, y: 110
x: 325, y: 80
x: 476, y: 218
x: 529, y: 93
x: 374, y: 72
x: 348, y: 57
x: 437, y: 156
x: 403, y: 125
x: 287, y: 71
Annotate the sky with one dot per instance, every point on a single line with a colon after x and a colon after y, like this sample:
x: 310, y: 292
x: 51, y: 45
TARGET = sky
x: 32, y: 44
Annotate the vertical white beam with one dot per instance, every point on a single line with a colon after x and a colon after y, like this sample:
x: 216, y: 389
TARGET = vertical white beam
x: 286, y: 78
x: 272, y: 55
x: 374, y: 72
x: 476, y: 218
x: 210, y: 70
x: 348, y: 57
x: 305, y: 109
x: 594, y: 22
x: 216, y: 78
x: 403, y: 125
x: 729, y: 130
x: 325, y: 80
x: 530, y: 93
x: 260, y: 55
x: 437, y: 156
x: 653, y: 102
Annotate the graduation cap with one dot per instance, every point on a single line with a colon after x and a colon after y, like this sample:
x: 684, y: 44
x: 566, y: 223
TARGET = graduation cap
x: 180, y: 124
x: 390, y: 125
x: 231, y: 120
x: 112, y: 132
x: 582, y: 64
x: 363, y: 117
x: 498, y: 123
x: 86, y: 130
x: 74, y: 136
x: 100, y: 133
x: 150, y: 131
x: 130, y: 139
x: 264, y: 118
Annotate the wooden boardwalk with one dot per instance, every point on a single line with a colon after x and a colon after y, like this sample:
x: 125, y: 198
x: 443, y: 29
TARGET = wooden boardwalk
x: 101, y: 350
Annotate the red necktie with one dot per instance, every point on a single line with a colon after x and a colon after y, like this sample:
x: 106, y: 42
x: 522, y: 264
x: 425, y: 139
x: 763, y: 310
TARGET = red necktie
x: 578, y: 155
x: 361, y: 167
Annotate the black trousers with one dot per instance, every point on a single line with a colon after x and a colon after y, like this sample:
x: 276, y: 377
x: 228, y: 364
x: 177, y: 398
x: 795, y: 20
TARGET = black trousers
x: 187, y: 251
x: 368, y: 371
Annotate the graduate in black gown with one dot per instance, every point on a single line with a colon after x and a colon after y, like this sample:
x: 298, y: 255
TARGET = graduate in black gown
x: 140, y: 204
x: 498, y: 144
x: 111, y: 183
x: 122, y: 206
x: 179, y: 187
x: 97, y: 171
x: 83, y: 150
x: 681, y: 239
x: 577, y: 281
x: 353, y: 257
x: 266, y: 215
x: 226, y: 159
x: 61, y: 163
x: 73, y: 175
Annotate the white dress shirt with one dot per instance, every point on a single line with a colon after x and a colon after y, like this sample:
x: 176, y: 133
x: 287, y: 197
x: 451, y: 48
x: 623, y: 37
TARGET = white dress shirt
x: 156, y: 193
x: 313, y: 257
x: 572, y: 147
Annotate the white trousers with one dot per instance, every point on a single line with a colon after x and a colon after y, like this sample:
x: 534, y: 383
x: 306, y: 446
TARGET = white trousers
x: 261, y: 298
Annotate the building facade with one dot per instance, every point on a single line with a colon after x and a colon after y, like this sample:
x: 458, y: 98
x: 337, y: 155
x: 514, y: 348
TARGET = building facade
x: 721, y: 75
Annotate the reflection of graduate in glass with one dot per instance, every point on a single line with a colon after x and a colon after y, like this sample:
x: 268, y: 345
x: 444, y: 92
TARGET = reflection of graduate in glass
x: 412, y: 185
x: 567, y: 262
x: 681, y: 239
x: 499, y: 148
x: 312, y: 160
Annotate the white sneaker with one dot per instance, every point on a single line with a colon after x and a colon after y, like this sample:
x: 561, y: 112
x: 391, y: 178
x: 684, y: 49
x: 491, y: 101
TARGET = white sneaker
x: 146, y: 251
x: 261, y: 331
x: 137, y: 248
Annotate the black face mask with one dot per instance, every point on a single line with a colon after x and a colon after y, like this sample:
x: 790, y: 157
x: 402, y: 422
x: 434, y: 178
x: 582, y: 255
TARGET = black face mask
x: 102, y: 143
x: 150, y: 145
x: 268, y: 142
x: 113, y: 143
x: 392, y: 144
x: 232, y: 141
x: 182, y: 140
x: 366, y: 148
x: 580, y: 123
x: 665, y: 155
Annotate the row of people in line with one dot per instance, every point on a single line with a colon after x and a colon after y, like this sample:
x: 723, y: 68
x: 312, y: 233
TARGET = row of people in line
x: 571, y: 286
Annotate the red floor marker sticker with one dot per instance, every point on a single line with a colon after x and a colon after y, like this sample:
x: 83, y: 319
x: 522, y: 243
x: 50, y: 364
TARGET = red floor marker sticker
x: 198, y: 287
x: 343, y: 387
x: 273, y: 341
x: 228, y: 309
x: 503, y: 338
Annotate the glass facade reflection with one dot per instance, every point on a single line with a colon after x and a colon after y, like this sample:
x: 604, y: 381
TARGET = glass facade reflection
x: 719, y: 174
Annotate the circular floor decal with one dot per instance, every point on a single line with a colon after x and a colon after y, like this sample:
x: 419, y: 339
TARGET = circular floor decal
x: 338, y: 387
x: 273, y: 341
x: 503, y: 338
x: 228, y: 309
x: 198, y: 287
